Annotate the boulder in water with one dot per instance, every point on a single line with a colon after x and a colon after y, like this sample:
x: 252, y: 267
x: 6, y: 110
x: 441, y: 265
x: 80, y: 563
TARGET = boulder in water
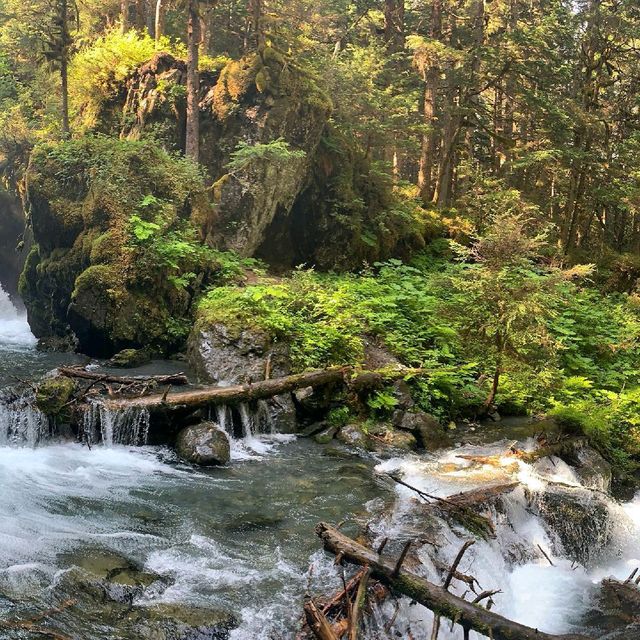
x: 53, y: 395
x: 424, y: 427
x: 181, y: 622
x: 130, y: 359
x: 205, y: 444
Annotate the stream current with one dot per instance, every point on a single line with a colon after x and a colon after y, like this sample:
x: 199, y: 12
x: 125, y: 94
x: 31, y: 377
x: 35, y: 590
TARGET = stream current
x: 240, y: 539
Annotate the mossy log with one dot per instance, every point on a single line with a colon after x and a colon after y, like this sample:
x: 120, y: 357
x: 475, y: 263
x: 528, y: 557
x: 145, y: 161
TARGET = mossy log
x: 437, y: 599
x: 216, y: 395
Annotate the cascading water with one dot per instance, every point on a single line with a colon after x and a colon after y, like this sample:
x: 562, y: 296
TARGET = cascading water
x: 555, y: 540
x: 14, y: 329
x: 250, y: 429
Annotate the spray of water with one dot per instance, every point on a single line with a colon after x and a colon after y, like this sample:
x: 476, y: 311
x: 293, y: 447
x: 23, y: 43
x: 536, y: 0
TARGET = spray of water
x: 14, y: 329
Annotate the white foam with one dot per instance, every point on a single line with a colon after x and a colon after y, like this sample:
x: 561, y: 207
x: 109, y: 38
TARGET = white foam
x: 14, y: 329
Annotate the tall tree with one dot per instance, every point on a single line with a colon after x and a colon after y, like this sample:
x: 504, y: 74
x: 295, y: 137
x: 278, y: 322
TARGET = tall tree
x: 192, y: 145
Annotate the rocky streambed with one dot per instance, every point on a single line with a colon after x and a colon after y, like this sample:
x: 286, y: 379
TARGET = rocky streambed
x: 121, y: 541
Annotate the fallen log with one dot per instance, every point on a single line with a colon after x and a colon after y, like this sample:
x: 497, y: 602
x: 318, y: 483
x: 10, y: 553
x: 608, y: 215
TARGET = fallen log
x: 434, y: 597
x: 263, y: 389
x: 177, y: 379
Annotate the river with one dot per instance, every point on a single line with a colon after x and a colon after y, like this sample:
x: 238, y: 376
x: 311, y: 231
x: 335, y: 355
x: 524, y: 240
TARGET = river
x: 240, y: 539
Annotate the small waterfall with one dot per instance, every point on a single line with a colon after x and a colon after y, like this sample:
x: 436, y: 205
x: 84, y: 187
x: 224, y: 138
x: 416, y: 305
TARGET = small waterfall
x: 22, y: 424
x: 14, y: 329
x: 250, y: 428
x: 128, y: 426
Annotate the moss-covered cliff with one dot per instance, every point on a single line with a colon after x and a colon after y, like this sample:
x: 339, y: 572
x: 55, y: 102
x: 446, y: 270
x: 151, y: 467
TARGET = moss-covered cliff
x: 115, y: 261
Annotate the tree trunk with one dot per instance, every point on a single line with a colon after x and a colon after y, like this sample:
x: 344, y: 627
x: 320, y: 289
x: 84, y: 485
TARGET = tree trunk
x: 394, y: 33
x: 256, y: 14
x: 159, y: 20
x: 64, y: 68
x: 141, y: 22
x: 192, y: 146
x: 435, y: 598
x: 429, y: 109
x: 215, y: 395
x: 125, y: 11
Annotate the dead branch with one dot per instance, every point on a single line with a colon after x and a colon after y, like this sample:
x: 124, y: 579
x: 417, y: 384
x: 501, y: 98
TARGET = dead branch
x: 435, y: 598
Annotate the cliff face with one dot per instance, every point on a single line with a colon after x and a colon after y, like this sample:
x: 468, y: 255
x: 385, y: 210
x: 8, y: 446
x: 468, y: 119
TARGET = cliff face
x: 112, y: 266
x: 253, y: 102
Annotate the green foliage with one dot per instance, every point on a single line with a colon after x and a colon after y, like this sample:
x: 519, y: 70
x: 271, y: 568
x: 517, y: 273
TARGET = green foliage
x: 382, y: 403
x: 97, y: 71
x: 277, y: 151
x: 339, y: 417
x: 611, y: 422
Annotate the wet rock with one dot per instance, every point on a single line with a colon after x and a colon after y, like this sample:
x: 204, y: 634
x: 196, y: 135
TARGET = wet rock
x: 205, y: 444
x: 180, y: 622
x: 282, y: 414
x: 314, y: 404
x: 425, y: 428
x: 130, y: 359
x: 402, y: 394
x: 401, y: 440
x: 326, y: 435
x: 353, y: 436
x: 105, y: 576
x: 580, y: 521
x: 53, y: 395
x: 592, y: 469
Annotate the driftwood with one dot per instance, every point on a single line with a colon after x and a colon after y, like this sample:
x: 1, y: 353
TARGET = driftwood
x: 215, y: 395
x: 177, y: 379
x: 460, y: 507
x: 436, y: 598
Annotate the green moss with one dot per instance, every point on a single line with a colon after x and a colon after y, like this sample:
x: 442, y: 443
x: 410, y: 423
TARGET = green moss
x: 90, y: 198
x: 53, y: 395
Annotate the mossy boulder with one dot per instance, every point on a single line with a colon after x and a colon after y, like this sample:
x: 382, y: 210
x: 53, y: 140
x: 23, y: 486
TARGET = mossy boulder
x: 53, y: 395
x: 130, y: 359
x: 114, y: 254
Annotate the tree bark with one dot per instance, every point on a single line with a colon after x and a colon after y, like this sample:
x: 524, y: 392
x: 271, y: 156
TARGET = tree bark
x: 434, y: 597
x: 429, y: 110
x: 177, y: 379
x: 192, y: 146
x: 394, y: 32
x: 64, y: 67
x: 159, y: 20
x: 125, y: 10
x: 259, y: 390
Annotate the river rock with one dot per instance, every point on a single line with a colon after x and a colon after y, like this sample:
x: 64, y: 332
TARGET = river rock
x: 425, y: 428
x: 579, y: 519
x: 205, y: 444
x: 352, y: 435
x: 102, y: 575
x: 181, y: 622
x: 130, y: 359
x: 592, y: 469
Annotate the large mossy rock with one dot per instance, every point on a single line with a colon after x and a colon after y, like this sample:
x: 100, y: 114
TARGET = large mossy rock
x: 254, y: 101
x: 92, y: 273
x: 323, y: 204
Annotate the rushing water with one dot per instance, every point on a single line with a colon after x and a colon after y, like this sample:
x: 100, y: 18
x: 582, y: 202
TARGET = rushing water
x: 240, y: 539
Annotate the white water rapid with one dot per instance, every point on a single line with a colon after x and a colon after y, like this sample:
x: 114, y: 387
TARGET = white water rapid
x: 14, y: 330
x: 585, y: 535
